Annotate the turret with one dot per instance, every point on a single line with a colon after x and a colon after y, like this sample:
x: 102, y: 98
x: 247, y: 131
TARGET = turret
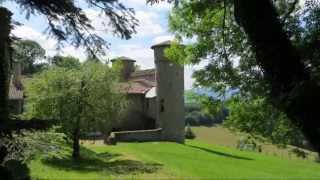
x: 127, y: 66
x: 170, y: 95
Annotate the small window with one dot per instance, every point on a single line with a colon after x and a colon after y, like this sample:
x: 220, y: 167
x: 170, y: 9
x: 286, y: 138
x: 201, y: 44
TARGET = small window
x: 147, y: 104
x: 162, y: 105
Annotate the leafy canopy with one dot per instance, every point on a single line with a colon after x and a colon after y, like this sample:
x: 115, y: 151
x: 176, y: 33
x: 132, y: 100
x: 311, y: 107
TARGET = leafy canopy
x: 220, y: 43
x: 87, y: 96
x: 261, y: 120
x: 67, y: 62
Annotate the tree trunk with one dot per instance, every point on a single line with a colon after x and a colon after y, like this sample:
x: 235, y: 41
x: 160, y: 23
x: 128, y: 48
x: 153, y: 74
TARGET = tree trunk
x: 5, y: 19
x: 76, y: 132
x: 76, y: 144
x: 291, y: 88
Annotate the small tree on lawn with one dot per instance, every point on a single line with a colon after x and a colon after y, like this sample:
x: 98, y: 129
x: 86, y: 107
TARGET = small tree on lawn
x: 80, y: 99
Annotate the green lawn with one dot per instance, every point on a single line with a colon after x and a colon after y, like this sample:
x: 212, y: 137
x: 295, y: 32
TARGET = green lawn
x: 170, y: 160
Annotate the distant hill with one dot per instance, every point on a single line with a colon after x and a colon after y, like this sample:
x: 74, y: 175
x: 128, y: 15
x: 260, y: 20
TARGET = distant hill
x: 214, y: 94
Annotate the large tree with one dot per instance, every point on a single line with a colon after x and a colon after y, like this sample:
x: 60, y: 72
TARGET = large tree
x: 268, y: 36
x: 80, y: 99
x: 67, y: 22
x: 292, y: 86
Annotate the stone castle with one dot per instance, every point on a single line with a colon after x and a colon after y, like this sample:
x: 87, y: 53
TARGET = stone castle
x: 156, y: 96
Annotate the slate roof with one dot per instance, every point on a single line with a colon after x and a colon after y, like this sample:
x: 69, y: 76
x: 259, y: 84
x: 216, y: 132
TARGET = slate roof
x: 135, y: 87
x: 148, y: 74
x: 140, y: 82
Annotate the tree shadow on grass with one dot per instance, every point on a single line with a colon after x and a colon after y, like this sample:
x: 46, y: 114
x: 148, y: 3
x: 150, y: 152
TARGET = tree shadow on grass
x: 219, y: 153
x: 102, y: 162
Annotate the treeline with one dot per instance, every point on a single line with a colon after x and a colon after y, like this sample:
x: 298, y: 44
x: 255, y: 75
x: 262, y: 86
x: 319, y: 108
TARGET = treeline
x: 32, y: 58
x: 252, y: 115
x: 203, y: 110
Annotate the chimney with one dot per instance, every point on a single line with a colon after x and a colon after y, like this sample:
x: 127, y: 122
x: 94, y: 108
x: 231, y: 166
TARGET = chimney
x: 127, y: 66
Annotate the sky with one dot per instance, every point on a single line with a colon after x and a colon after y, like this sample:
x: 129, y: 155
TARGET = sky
x: 152, y: 29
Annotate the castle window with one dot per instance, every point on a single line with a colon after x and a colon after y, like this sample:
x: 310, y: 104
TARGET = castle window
x: 162, y: 105
x: 147, y: 104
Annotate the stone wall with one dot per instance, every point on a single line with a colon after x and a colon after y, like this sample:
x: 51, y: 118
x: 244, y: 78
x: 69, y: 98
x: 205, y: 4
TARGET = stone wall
x: 137, y: 116
x: 138, y: 135
x: 150, y: 107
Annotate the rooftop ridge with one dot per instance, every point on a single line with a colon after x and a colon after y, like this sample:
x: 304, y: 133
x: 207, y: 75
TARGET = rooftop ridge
x: 123, y: 58
x: 164, y: 43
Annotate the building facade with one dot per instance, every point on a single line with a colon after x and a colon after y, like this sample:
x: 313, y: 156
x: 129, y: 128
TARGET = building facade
x: 156, y: 99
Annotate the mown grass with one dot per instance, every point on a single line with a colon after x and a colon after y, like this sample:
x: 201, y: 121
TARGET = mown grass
x: 157, y: 160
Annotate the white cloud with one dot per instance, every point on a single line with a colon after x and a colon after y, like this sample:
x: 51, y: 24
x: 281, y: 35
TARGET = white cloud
x: 148, y: 24
x: 188, y: 80
x: 162, y: 38
x: 100, y: 22
x: 26, y: 32
x: 138, y: 52
x: 75, y: 52
x: 47, y: 43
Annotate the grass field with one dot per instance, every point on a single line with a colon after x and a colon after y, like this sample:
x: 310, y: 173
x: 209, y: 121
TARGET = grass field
x: 218, y: 135
x: 158, y: 160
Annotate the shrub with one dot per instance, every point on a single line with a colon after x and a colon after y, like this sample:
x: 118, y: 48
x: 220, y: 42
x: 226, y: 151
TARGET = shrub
x: 248, y: 144
x: 189, y: 134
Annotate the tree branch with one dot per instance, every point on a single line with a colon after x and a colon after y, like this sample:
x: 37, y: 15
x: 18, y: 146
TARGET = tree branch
x: 291, y: 9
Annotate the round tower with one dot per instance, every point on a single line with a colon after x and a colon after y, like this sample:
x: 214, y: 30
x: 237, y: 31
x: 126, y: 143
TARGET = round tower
x: 170, y: 95
x: 127, y: 66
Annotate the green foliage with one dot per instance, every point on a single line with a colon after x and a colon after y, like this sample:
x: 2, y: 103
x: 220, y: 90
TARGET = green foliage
x: 189, y: 133
x: 67, y: 62
x: 25, y: 145
x: 258, y: 118
x: 248, y: 144
x: 201, y: 109
x: 28, y: 52
x: 219, y: 42
x: 176, y: 53
x: 230, y: 61
x: 84, y: 99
